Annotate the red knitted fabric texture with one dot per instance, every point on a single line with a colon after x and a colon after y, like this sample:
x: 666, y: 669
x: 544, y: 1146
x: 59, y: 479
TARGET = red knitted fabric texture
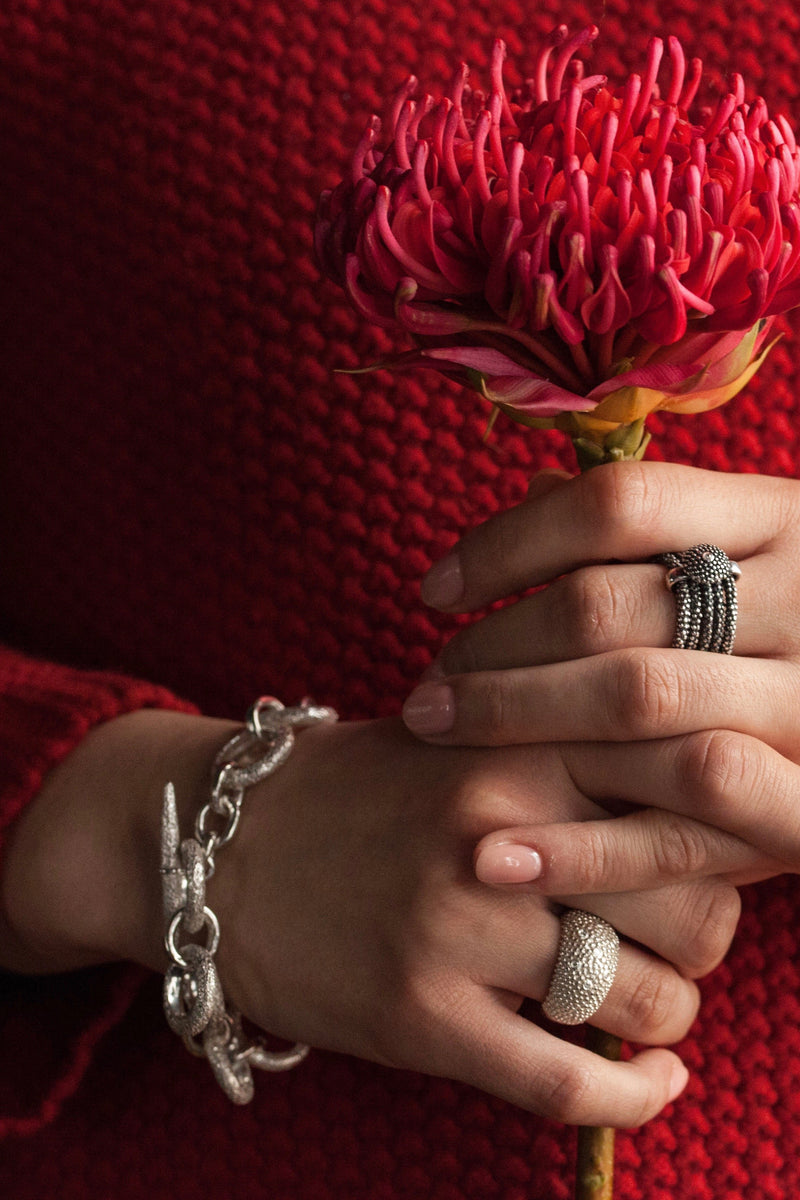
x: 191, y: 496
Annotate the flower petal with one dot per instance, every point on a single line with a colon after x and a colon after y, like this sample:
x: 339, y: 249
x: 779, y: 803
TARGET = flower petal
x: 708, y: 359
x: 705, y: 400
x: 629, y: 404
x: 479, y: 358
x: 533, y: 397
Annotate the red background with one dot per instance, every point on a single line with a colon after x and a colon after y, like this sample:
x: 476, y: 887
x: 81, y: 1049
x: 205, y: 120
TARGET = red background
x: 190, y: 495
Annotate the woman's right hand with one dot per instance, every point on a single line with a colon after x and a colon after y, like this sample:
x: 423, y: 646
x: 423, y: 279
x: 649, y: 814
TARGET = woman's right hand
x: 350, y: 912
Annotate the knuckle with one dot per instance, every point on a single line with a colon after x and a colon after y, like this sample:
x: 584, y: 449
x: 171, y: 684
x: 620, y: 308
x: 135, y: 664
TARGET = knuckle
x: 596, y: 612
x: 681, y: 847
x: 591, y: 859
x: 713, y: 764
x: 624, y: 496
x: 655, y: 1003
x: 572, y: 1098
x: 495, y: 708
x: 645, y: 692
x: 712, y: 923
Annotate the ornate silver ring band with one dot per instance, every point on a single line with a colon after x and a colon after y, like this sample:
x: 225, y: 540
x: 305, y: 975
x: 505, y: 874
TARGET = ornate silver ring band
x: 703, y: 582
x: 588, y: 953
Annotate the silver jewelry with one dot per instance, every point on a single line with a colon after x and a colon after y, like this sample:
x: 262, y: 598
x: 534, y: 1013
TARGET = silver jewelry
x: 588, y: 953
x: 194, y: 1002
x: 703, y: 581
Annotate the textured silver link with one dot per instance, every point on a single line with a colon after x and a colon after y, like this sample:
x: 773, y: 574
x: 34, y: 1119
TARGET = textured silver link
x: 193, y: 995
x: 231, y: 1072
x: 703, y: 582
x: 588, y: 953
x: 193, y: 861
x: 209, y: 839
x: 194, y: 1002
x: 176, y: 954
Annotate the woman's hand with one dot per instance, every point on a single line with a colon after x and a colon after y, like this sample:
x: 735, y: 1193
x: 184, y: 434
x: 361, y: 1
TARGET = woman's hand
x: 727, y: 807
x: 350, y: 913
x: 587, y: 657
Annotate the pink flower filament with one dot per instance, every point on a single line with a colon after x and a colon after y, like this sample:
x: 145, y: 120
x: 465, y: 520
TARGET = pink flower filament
x: 566, y: 212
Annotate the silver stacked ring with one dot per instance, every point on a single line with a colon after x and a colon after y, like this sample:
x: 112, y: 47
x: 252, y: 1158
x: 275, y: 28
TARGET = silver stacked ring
x: 588, y: 953
x: 703, y: 582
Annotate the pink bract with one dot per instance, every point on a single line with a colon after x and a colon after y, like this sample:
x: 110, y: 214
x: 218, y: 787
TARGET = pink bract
x: 545, y: 245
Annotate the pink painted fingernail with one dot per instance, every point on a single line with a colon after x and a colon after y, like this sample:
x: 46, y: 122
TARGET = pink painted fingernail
x: 506, y: 862
x: 678, y: 1081
x: 430, y: 709
x: 443, y: 586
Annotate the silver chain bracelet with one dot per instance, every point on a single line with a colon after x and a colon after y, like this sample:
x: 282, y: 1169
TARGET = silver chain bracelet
x: 194, y: 1002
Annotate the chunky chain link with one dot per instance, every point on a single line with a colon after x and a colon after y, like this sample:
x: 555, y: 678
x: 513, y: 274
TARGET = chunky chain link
x: 194, y: 1002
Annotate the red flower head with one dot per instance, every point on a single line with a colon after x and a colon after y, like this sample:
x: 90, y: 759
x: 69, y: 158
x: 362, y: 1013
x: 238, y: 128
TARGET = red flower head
x: 581, y: 254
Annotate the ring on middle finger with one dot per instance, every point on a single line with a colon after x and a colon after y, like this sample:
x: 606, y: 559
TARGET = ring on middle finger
x: 703, y: 582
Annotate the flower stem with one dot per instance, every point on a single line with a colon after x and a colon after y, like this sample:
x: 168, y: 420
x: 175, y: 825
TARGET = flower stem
x: 593, y: 448
x: 594, y: 1179
x: 594, y: 1169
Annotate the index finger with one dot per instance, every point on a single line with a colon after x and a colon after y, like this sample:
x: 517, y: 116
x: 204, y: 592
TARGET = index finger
x: 624, y: 511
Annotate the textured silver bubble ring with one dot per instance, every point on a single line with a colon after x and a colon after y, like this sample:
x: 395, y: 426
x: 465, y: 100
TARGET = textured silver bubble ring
x: 588, y: 954
x: 703, y: 582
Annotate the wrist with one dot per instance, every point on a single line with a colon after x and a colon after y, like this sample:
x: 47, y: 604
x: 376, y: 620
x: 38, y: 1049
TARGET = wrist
x: 80, y: 883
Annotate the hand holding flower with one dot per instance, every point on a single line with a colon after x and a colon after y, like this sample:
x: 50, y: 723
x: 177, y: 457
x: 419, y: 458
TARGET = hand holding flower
x: 581, y: 255
x: 351, y: 913
x: 587, y: 657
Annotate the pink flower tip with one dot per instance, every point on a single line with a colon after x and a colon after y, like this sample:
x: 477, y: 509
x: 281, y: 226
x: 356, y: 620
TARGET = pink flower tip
x: 571, y: 226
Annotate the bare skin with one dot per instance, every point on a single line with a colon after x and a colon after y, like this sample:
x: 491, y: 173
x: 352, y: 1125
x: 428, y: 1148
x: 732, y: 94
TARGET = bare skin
x: 351, y: 917
x: 587, y: 659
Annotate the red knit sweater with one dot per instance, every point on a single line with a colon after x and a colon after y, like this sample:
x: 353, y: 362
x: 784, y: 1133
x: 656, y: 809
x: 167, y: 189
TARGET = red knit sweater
x: 190, y: 496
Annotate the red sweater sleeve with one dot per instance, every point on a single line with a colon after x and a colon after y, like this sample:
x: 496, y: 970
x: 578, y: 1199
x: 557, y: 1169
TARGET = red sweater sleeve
x: 49, y: 1028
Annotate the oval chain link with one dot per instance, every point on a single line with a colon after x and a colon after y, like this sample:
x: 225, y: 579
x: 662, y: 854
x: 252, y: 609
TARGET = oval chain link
x: 194, y: 1002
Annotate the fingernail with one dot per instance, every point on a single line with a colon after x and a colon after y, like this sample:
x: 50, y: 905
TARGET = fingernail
x: 506, y: 862
x: 545, y: 480
x: 430, y: 709
x: 678, y: 1081
x: 443, y: 586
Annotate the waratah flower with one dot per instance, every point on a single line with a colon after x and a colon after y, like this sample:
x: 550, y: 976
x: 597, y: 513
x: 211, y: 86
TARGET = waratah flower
x: 581, y: 254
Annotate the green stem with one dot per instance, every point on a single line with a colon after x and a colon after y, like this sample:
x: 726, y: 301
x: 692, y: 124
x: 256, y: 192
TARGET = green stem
x: 626, y: 443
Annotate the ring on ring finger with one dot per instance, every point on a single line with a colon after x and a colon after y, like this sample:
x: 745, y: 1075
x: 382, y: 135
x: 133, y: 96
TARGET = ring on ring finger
x: 586, y: 964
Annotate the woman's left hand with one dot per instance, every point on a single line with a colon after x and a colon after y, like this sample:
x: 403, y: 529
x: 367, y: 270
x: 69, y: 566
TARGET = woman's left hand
x: 588, y: 657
